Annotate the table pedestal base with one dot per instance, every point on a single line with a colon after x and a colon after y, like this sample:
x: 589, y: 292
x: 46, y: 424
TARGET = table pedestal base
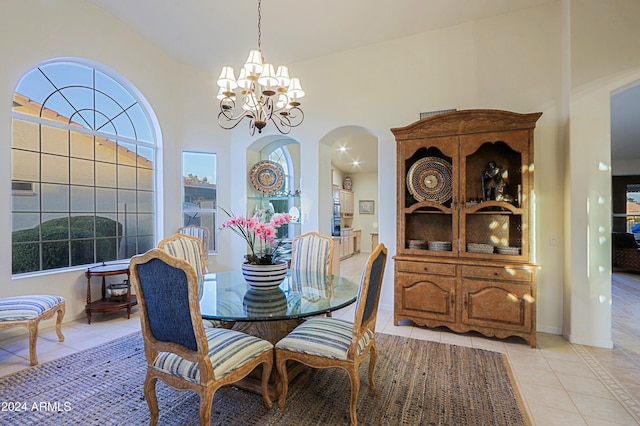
x: 271, y: 331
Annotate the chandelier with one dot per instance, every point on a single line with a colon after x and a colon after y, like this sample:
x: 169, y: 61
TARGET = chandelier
x: 264, y: 94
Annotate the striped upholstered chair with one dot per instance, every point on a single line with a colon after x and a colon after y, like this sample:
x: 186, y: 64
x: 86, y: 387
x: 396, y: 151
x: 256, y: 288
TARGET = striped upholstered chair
x: 190, y: 249
x: 203, y: 235
x: 322, y: 342
x: 181, y: 352
x: 312, y: 252
x: 311, y: 265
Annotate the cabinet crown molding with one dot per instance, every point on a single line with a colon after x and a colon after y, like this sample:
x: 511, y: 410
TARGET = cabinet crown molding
x: 466, y: 122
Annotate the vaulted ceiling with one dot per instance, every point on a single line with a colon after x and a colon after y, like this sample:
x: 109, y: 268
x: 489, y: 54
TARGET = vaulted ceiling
x: 210, y: 33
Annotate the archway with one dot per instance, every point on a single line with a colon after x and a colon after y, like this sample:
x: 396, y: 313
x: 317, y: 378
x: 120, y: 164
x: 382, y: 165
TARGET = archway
x: 352, y: 152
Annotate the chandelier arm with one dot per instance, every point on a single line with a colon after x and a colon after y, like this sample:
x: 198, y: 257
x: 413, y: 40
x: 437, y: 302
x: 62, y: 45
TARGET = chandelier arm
x: 228, y: 121
x: 295, y: 116
x: 285, y: 129
x: 268, y: 108
x: 252, y: 127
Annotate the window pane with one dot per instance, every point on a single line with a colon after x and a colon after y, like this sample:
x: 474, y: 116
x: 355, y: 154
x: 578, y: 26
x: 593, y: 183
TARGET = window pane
x: 105, y: 150
x: 55, y: 169
x: 25, y: 227
x: 25, y: 135
x: 82, y: 172
x: 119, y: 94
x: 106, y: 200
x: 145, y: 202
x: 55, y: 198
x: 145, y: 157
x: 126, y: 177
x: 108, y: 226
x: 127, y: 201
x: 27, y: 203
x: 200, y: 192
x: 82, y: 252
x: 146, y: 224
x: 55, y: 227
x: 81, y: 145
x: 55, y: 255
x: 124, y: 125
x: 82, y: 199
x: 107, y: 249
x: 145, y: 179
x: 143, y: 130
x: 57, y: 108
x: 130, y: 221
x: 60, y: 74
x: 129, y: 247
x: 82, y: 226
x: 145, y: 243
x: 208, y: 220
x: 126, y: 153
x: 26, y: 258
x: 54, y: 141
x: 26, y: 165
x: 106, y: 175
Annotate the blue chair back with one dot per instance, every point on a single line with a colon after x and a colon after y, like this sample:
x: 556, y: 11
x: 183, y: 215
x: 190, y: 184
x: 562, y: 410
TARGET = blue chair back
x: 370, y: 287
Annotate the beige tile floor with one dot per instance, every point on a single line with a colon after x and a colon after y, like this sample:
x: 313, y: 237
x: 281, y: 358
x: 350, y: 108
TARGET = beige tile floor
x: 561, y: 383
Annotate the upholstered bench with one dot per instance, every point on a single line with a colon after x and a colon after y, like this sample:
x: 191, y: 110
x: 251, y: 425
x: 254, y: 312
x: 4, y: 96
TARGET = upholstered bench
x: 27, y: 311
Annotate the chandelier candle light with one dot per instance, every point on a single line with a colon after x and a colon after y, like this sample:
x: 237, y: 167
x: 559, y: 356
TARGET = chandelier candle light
x: 266, y: 94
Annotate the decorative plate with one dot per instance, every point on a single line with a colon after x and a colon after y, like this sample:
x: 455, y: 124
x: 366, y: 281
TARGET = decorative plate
x: 430, y: 178
x: 267, y: 177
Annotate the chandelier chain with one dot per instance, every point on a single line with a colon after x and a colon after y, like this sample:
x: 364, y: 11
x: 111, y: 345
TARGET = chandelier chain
x: 259, y: 24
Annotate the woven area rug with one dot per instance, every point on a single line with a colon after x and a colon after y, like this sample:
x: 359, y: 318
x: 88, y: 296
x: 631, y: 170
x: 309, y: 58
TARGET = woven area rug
x: 419, y: 383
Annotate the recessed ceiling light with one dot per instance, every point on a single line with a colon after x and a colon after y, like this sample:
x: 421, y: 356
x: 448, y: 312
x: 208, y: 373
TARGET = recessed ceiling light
x: 343, y: 148
x: 356, y: 163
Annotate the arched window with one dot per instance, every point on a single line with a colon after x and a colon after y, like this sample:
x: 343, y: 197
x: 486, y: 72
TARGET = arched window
x: 282, y: 156
x: 82, y: 170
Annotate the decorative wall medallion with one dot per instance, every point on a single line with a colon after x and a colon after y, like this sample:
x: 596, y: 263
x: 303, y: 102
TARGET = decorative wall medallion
x: 430, y: 178
x: 267, y: 177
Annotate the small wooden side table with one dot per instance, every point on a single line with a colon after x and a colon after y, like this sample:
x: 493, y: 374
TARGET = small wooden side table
x: 106, y: 304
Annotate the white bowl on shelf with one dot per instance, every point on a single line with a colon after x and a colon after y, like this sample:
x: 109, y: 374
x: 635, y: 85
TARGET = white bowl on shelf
x: 439, y: 245
x: 510, y: 251
x: 480, y: 248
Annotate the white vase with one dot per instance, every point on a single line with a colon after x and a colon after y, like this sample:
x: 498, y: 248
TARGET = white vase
x: 265, y: 276
x: 263, y: 302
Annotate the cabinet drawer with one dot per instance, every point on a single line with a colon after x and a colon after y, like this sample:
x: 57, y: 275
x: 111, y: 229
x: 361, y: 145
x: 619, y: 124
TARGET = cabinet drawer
x: 508, y: 273
x: 426, y: 268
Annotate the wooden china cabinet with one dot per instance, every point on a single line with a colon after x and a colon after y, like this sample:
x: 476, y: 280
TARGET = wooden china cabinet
x: 464, y: 185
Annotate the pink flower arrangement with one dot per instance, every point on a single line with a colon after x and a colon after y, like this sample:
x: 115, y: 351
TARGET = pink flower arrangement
x: 259, y: 235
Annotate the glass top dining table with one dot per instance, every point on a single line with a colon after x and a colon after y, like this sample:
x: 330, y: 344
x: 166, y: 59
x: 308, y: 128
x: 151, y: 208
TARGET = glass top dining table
x: 227, y: 296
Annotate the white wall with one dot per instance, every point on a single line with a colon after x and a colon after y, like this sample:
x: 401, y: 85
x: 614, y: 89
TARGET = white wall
x: 35, y: 31
x: 365, y: 187
x: 509, y: 62
x: 516, y: 61
x: 605, y: 56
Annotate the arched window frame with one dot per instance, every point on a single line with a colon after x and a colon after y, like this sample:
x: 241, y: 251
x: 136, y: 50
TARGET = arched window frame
x: 139, y: 151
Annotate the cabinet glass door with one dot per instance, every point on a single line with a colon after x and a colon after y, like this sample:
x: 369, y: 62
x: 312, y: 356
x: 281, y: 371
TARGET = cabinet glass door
x: 429, y: 192
x: 495, y: 179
